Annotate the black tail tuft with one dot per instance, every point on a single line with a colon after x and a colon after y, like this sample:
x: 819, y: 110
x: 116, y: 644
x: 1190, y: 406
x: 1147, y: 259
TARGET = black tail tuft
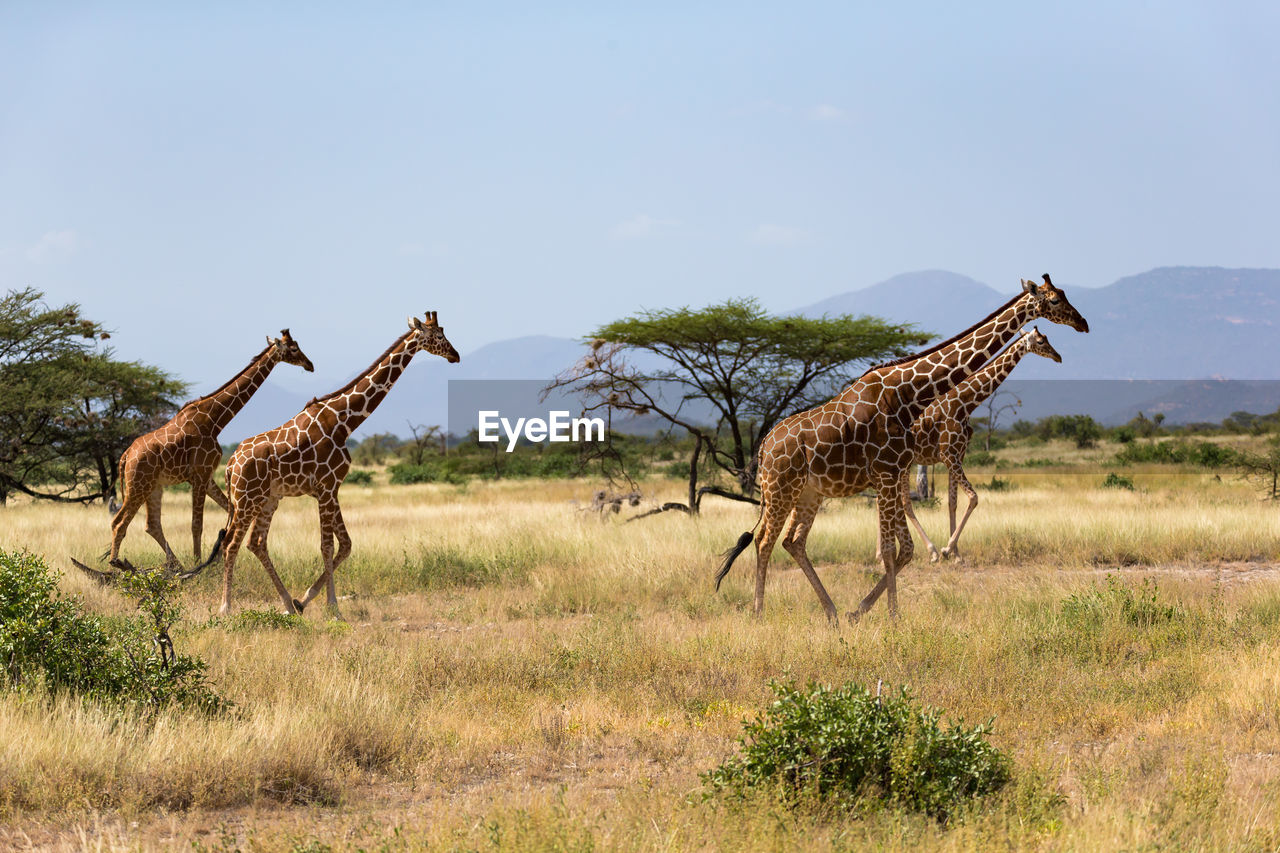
x: 732, y: 554
x: 213, y: 555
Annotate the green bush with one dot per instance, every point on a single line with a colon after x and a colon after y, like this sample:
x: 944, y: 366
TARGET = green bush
x: 48, y: 641
x: 359, y: 477
x: 998, y: 485
x: 436, y: 471
x: 1204, y: 453
x: 1115, y: 481
x: 262, y: 620
x: 979, y: 458
x: 857, y: 750
x: 1120, y: 602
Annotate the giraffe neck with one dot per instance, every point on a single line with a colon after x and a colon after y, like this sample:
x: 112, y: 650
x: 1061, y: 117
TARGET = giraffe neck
x: 354, y: 403
x: 917, y: 381
x: 974, y: 391
x: 220, y: 406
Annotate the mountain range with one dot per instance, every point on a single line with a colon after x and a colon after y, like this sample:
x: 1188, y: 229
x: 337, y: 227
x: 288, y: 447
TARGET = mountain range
x: 1170, y: 323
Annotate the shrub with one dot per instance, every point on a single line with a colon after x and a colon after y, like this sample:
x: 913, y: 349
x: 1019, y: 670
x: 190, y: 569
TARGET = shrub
x: 849, y: 747
x: 1204, y: 453
x: 1115, y: 481
x: 1118, y: 601
x: 979, y: 458
x: 48, y: 641
x: 359, y: 477
x: 998, y: 485
x: 439, y: 471
x: 264, y: 620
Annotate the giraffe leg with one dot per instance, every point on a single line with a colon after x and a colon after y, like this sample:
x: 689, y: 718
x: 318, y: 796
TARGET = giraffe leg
x: 154, y: 528
x: 910, y: 512
x: 958, y: 475
x: 237, y: 525
x: 257, y: 546
x: 331, y: 527
x: 777, y: 509
x: 198, y: 486
x: 801, y: 523
x: 218, y: 497
x: 136, y: 491
x: 952, y: 484
x: 893, y: 526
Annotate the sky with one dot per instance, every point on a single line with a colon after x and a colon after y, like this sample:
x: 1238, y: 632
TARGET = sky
x: 198, y: 176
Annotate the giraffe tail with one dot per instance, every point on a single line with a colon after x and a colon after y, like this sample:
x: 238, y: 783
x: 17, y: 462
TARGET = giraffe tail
x: 732, y: 554
x: 213, y: 555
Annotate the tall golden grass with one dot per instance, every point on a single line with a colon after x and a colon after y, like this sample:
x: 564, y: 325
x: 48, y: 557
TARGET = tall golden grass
x: 517, y: 673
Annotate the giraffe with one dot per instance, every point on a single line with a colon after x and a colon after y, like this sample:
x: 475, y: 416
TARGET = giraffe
x: 308, y: 456
x: 862, y: 439
x: 186, y: 450
x: 943, y: 431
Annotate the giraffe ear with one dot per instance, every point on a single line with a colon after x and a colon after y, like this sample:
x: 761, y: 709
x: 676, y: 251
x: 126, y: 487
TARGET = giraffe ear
x: 1028, y: 286
x: 414, y: 323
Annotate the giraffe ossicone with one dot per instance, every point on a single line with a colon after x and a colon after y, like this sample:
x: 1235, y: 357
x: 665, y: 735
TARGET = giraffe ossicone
x: 307, y: 455
x: 862, y: 439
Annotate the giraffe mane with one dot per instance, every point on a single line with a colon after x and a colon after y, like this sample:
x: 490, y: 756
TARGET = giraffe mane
x: 224, y: 385
x: 951, y: 340
x: 362, y: 374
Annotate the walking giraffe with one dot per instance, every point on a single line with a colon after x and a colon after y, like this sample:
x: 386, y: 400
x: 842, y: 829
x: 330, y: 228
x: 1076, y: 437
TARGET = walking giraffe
x: 186, y: 450
x: 942, y: 433
x: 862, y: 439
x: 308, y: 456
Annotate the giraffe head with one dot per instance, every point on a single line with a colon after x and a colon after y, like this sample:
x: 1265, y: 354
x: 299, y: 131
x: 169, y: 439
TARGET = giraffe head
x: 428, y: 336
x: 1051, y: 304
x: 286, y: 349
x: 1039, y: 344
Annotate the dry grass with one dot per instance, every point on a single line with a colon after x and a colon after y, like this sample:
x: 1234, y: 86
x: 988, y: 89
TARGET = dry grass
x: 518, y: 675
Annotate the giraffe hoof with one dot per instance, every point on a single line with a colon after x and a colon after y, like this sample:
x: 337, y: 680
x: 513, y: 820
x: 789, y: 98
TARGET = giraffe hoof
x: 298, y: 605
x: 933, y: 557
x: 853, y: 616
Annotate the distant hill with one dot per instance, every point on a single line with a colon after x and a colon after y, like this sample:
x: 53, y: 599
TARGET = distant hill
x: 1173, y: 323
x: 1168, y: 323
x: 934, y: 300
x: 1176, y: 323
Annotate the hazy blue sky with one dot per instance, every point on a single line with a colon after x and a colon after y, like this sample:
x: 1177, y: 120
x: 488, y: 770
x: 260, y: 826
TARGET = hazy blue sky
x: 199, y: 175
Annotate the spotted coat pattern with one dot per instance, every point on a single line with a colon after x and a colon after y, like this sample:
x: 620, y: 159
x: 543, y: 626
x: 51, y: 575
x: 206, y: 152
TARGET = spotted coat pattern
x: 307, y: 455
x: 862, y: 439
x: 186, y: 450
x: 942, y: 433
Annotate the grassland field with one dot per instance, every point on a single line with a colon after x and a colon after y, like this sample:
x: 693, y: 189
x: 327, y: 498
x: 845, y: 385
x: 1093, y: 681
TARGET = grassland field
x: 518, y: 673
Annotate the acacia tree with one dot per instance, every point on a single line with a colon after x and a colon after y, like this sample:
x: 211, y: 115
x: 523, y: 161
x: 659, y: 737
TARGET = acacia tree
x: 119, y: 401
x: 67, y: 408
x: 726, y: 374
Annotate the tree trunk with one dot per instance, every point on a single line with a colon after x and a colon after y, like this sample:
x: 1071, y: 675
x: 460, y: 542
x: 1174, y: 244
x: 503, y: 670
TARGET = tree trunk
x: 922, y: 482
x: 694, y: 498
